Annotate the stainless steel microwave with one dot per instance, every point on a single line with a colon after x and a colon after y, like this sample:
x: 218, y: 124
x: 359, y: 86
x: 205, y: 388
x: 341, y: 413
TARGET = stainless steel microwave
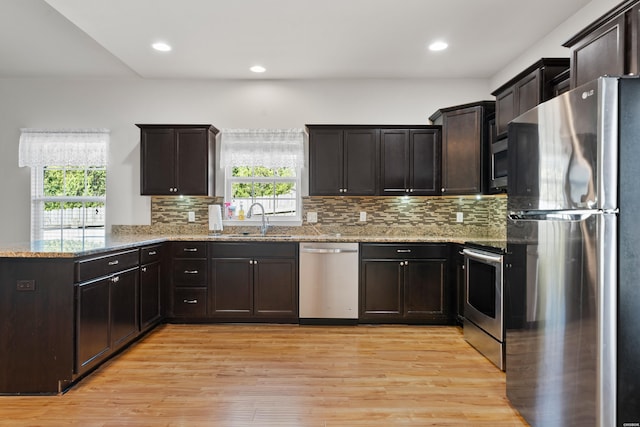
x: 499, y: 166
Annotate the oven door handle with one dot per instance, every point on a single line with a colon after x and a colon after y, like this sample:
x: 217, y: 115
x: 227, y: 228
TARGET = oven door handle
x: 482, y: 257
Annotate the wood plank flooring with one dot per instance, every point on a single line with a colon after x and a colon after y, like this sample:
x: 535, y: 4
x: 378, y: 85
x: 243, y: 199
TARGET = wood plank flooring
x: 282, y: 375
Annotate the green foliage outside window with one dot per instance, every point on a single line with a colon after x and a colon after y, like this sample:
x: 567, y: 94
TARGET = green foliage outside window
x: 263, y: 189
x: 74, y: 182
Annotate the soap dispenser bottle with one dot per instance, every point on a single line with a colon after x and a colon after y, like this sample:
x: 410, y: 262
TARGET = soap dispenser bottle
x: 241, y: 213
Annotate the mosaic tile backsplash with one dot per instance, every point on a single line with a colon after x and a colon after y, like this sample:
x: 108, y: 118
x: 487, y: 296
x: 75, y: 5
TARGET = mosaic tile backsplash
x: 483, y: 217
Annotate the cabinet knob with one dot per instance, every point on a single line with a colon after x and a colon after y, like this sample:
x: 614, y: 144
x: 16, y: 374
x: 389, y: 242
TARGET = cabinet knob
x: 443, y: 189
x: 144, y: 269
x: 115, y: 279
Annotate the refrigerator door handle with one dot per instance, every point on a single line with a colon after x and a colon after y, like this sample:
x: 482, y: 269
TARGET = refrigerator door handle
x: 552, y: 215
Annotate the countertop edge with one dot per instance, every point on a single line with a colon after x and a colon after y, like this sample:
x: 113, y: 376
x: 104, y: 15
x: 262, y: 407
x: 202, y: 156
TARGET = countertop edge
x: 120, y: 242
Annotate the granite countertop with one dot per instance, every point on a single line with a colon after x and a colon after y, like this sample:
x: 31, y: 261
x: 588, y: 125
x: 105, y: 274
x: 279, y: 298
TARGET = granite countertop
x: 82, y: 247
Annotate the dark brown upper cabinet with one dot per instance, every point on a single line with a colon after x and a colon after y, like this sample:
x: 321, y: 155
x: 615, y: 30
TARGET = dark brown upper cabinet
x: 465, y: 147
x: 177, y: 159
x: 410, y: 161
x: 343, y: 160
x: 608, y: 46
x: 526, y: 90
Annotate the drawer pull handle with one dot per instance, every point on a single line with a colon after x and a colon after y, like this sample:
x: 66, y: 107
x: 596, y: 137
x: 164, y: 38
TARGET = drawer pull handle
x: 152, y: 253
x: 190, y: 301
x: 116, y: 262
x: 403, y: 251
x: 191, y: 249
x: 191, y: 272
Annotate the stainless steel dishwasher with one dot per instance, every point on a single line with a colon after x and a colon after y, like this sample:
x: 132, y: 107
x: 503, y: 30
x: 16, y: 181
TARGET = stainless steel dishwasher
x: 328, y: 282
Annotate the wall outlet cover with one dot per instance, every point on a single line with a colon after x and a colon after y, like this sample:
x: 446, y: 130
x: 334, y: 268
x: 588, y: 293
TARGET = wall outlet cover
x: 191, y: 216
x: 363, y: 216
x: 459, y: 217
x: 312, y: 217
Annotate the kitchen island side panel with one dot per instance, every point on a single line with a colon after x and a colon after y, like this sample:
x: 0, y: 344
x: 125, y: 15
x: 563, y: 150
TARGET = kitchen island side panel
x: 36, y: 325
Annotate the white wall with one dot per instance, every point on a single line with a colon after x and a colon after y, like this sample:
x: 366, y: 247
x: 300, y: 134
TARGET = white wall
x: 119, y: 104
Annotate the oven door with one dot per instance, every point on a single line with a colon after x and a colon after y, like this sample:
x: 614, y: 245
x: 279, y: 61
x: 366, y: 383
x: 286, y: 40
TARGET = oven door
x: 483, y: 281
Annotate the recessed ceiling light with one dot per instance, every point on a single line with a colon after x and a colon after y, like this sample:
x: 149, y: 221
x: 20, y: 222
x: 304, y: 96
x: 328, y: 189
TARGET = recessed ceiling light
x: 258, y: 69
x: 161, y: 46
x: 438, y: 45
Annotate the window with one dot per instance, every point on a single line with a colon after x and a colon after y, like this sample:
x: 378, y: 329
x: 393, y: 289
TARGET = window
x: 263, y: 166
x: 68, y: 183
x: 276, y: 189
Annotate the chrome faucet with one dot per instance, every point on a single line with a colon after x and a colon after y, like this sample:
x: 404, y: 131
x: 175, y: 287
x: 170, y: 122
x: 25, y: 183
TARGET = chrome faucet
x: 265, y: 221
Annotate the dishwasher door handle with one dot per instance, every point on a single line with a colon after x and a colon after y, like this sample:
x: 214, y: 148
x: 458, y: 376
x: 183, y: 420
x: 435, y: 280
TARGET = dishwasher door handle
x: 328, y: 250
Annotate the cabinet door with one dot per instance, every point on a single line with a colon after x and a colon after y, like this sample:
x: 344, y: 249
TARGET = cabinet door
x: 394, y: 170
x: 157, y: 161
x: 602, y: 52
x: 149, y: 294
x: 124, y: 307
x: 424, y: 162
x: 381, y: 292
x: 505, y: 110
x: 528, y: 91
x: 361, y: 148
x: 231, y: 287
x: 192, y: 156
x: 461, y: 151
x: 325, y: 162
x: 424, y: 292
x: 275, y: 288
x: 92, y: 325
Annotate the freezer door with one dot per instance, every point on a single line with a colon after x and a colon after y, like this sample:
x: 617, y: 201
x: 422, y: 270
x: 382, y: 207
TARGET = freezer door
x: 559, y: 150
x: 560, y: 328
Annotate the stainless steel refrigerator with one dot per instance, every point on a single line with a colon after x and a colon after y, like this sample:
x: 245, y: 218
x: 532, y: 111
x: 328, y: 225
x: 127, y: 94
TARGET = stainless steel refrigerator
x: 572, y: 276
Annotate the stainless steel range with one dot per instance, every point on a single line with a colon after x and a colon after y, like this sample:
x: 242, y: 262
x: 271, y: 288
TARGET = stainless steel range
x: 484, y: 301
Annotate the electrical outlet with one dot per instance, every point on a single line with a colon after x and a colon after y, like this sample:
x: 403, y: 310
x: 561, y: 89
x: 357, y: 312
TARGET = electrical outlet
x: 459, y: 217
x: 191, y: 216
x: 312, y: 217
x: 26, y: 285
x: 363, y: 216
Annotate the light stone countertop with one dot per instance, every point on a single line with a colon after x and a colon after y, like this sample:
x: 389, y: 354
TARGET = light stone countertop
x: 89, y: 246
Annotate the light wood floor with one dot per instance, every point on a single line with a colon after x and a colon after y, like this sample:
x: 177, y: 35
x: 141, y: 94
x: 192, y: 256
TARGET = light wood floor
x: 282, y: 375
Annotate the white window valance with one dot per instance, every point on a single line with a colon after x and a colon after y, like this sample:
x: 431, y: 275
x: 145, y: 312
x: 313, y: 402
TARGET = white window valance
x: 64, y: 147
x: 271, y: 148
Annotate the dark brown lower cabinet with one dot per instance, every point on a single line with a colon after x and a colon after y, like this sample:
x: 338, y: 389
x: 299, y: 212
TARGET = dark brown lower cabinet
x: 152, y: 271
x: 399, y: 285
x: 255, y: 281
x: 106, y: 317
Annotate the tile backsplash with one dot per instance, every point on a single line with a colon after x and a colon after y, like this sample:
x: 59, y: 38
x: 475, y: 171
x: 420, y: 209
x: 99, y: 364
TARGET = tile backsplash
x: 483, y: 216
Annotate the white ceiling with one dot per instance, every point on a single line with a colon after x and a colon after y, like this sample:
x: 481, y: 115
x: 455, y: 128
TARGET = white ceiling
x: 293, y: 39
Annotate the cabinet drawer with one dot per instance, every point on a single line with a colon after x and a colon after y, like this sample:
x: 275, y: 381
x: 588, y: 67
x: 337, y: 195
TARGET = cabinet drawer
x: 190, y: 302
x: 189, y: 249
x: 402, y: 251
x: 150, y: 254
x: 254, y: 250
x: 189, y: 271
x: 91, y: 268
